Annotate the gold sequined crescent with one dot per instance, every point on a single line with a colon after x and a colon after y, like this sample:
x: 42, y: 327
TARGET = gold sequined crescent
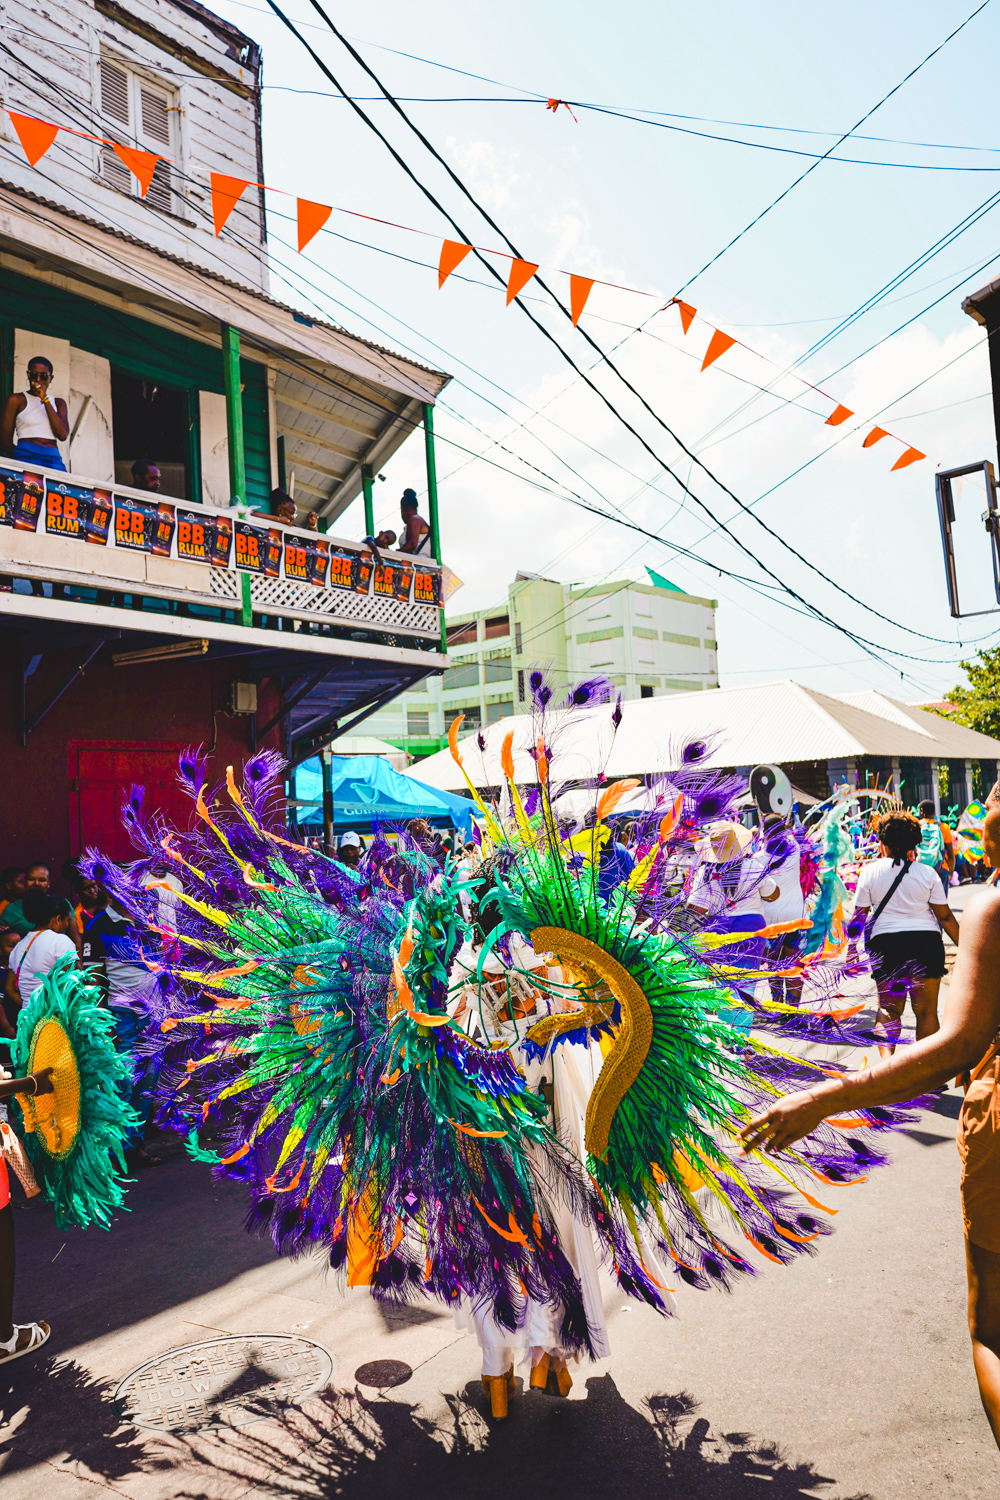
x: 55, y: 1117
x: 623, y: 1063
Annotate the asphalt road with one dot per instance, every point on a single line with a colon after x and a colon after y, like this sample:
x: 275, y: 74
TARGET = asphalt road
x: 843, y: 1376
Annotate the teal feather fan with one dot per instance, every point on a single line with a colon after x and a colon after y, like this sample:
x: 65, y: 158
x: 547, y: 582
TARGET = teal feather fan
x: 76, y: 1137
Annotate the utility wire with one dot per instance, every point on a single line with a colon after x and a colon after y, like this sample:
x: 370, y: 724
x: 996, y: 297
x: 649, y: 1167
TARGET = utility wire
x: 793, y: 185
x: 568, y: 357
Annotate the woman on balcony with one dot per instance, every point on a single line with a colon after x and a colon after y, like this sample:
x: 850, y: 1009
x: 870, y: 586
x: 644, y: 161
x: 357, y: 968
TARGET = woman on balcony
x: 33, y: 422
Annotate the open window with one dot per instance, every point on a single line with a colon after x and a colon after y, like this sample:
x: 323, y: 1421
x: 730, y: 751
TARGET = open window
x: 150, y: 422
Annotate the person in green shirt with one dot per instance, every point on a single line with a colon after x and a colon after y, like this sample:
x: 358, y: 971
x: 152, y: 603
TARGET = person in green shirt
x: 36, y: 878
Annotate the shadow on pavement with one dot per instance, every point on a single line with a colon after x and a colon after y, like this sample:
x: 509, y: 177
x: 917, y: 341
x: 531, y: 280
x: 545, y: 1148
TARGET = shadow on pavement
x: 52, y: 1407
x: 346, y: 1446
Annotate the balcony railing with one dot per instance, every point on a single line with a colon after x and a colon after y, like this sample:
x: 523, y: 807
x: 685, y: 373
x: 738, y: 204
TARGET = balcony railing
x: 129, y: 546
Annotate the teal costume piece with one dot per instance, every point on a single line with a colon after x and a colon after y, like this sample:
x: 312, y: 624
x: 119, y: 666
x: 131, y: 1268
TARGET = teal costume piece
x: 75, y: 1138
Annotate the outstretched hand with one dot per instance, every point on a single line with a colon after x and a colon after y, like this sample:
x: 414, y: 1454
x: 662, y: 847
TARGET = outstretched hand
x: 786, y: 1121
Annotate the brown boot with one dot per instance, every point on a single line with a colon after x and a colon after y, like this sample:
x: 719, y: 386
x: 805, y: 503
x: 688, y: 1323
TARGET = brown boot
x: 540, y: 1374
x: 564, y: 1380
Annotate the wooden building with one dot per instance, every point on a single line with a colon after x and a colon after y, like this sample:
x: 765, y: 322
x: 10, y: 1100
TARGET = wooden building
x: 133, y: 625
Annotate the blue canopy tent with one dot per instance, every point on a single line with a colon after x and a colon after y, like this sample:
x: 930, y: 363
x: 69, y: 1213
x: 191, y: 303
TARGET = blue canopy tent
x: 367, y: 790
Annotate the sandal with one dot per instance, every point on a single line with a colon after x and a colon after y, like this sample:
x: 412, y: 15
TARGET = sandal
x: 9, y: 1350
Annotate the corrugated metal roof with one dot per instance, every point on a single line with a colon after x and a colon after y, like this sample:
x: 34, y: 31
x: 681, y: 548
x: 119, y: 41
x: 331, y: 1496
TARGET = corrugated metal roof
x: 776, y: 722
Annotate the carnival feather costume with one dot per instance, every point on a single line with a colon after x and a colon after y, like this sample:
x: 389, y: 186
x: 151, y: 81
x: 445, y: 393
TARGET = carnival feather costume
x: 304, y: 1018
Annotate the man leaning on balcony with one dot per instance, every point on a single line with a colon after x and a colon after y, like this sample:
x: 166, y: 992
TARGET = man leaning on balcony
x: 34, y: 422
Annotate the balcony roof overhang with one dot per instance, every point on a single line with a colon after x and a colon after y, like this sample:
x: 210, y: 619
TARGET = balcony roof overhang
x: 327, y: 685
x: 341, y: 402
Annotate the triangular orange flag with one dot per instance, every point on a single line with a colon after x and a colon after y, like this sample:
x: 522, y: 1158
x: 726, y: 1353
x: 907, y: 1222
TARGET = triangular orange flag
x: 911, y: 456
x: 452, y: 255
x: 687, y: 313
x: 579, y: 290
x: 36, y: 136
x: 311, y: 217
x: 875, y: 436
x: 142, y: 165
x: 838, y: 415
x: 718, y: 344
x: 521, y: 272
x: 226, y: 193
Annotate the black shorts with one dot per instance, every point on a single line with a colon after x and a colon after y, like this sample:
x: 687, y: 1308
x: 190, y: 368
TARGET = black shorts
x: 910, y: 955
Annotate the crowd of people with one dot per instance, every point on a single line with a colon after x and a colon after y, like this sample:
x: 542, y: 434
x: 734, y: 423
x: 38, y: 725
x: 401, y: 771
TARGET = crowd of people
x: 38, y: 928
x: 900, y: 900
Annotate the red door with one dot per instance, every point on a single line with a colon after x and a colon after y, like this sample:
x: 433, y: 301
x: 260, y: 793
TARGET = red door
x: 100, y: 774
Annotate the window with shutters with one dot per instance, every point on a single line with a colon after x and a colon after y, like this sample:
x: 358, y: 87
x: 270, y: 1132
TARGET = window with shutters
x: 137, y: 113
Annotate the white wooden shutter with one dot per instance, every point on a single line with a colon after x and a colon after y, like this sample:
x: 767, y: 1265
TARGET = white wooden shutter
x: 115, y: 106
x: 114, y: 92
x: 154, y: 109
x: 155, y: 116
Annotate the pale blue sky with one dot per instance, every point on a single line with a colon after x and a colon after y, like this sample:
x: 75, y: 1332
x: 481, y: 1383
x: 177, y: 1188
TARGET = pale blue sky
x: 647, y: 207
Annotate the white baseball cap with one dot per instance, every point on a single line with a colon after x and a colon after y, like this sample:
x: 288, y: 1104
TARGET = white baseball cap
x: 350, y: 841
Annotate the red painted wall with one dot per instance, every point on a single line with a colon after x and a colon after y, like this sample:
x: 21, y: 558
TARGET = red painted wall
x: 144, y: 712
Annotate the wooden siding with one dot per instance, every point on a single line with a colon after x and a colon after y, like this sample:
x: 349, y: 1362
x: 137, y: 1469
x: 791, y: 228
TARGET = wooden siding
x: 53, y: 74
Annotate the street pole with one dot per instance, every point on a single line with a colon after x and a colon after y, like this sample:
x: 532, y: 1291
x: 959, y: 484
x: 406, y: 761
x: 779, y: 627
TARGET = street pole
x: 326, y: 760
x: 432, y: 506
x: 366, y: 485
x: 234, y: 434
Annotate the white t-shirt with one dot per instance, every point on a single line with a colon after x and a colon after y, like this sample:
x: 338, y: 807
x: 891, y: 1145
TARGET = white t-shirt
x: 35, y: 955
x: 789, y: 904
x: 910, y: 907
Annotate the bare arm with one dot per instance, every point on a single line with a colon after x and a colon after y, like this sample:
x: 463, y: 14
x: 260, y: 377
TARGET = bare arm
x: 58, y: 418
x: 12, y: 410
x: 946, y: 917
x: 971, y: 1020
x: 42, y: 1084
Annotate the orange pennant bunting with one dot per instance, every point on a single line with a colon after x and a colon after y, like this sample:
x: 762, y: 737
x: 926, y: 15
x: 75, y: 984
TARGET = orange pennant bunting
x: 521, y: 272
x: 718, y: 345
x: 142, y: 165
x: 875, y: 436
x: 36, y: 136
x: 452, y: 255
x: 580, y: 288
x: 311, y: 218
x: 838, y: 415
x: 687, y: 313
x: 911, y: 456
x: 226, y: 193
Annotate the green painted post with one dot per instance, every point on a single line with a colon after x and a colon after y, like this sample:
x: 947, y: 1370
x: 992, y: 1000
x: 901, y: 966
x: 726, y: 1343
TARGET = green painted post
x: 234, y: 412
x: 432, y: 502
x: 234, y: 433
x: 366, y: 485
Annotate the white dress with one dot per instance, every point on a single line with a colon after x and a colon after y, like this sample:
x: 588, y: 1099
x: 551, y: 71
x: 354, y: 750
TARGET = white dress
x: 572, y: 1070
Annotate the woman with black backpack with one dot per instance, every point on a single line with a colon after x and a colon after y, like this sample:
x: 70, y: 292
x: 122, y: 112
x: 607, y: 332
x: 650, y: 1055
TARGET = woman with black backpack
x: 907, y: 907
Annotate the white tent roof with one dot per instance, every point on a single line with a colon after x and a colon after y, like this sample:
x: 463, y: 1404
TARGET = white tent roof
x: 776, y: 722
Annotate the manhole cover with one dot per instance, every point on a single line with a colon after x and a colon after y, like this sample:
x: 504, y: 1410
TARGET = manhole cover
x: 226, y: 1382
x: 383, y: 1373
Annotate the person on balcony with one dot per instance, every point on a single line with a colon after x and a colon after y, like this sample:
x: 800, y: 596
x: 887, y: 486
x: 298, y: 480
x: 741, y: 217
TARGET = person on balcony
x: 146, y: 476
x: 34, y: 422
x: 416, y: 536
x: 282, y: 508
